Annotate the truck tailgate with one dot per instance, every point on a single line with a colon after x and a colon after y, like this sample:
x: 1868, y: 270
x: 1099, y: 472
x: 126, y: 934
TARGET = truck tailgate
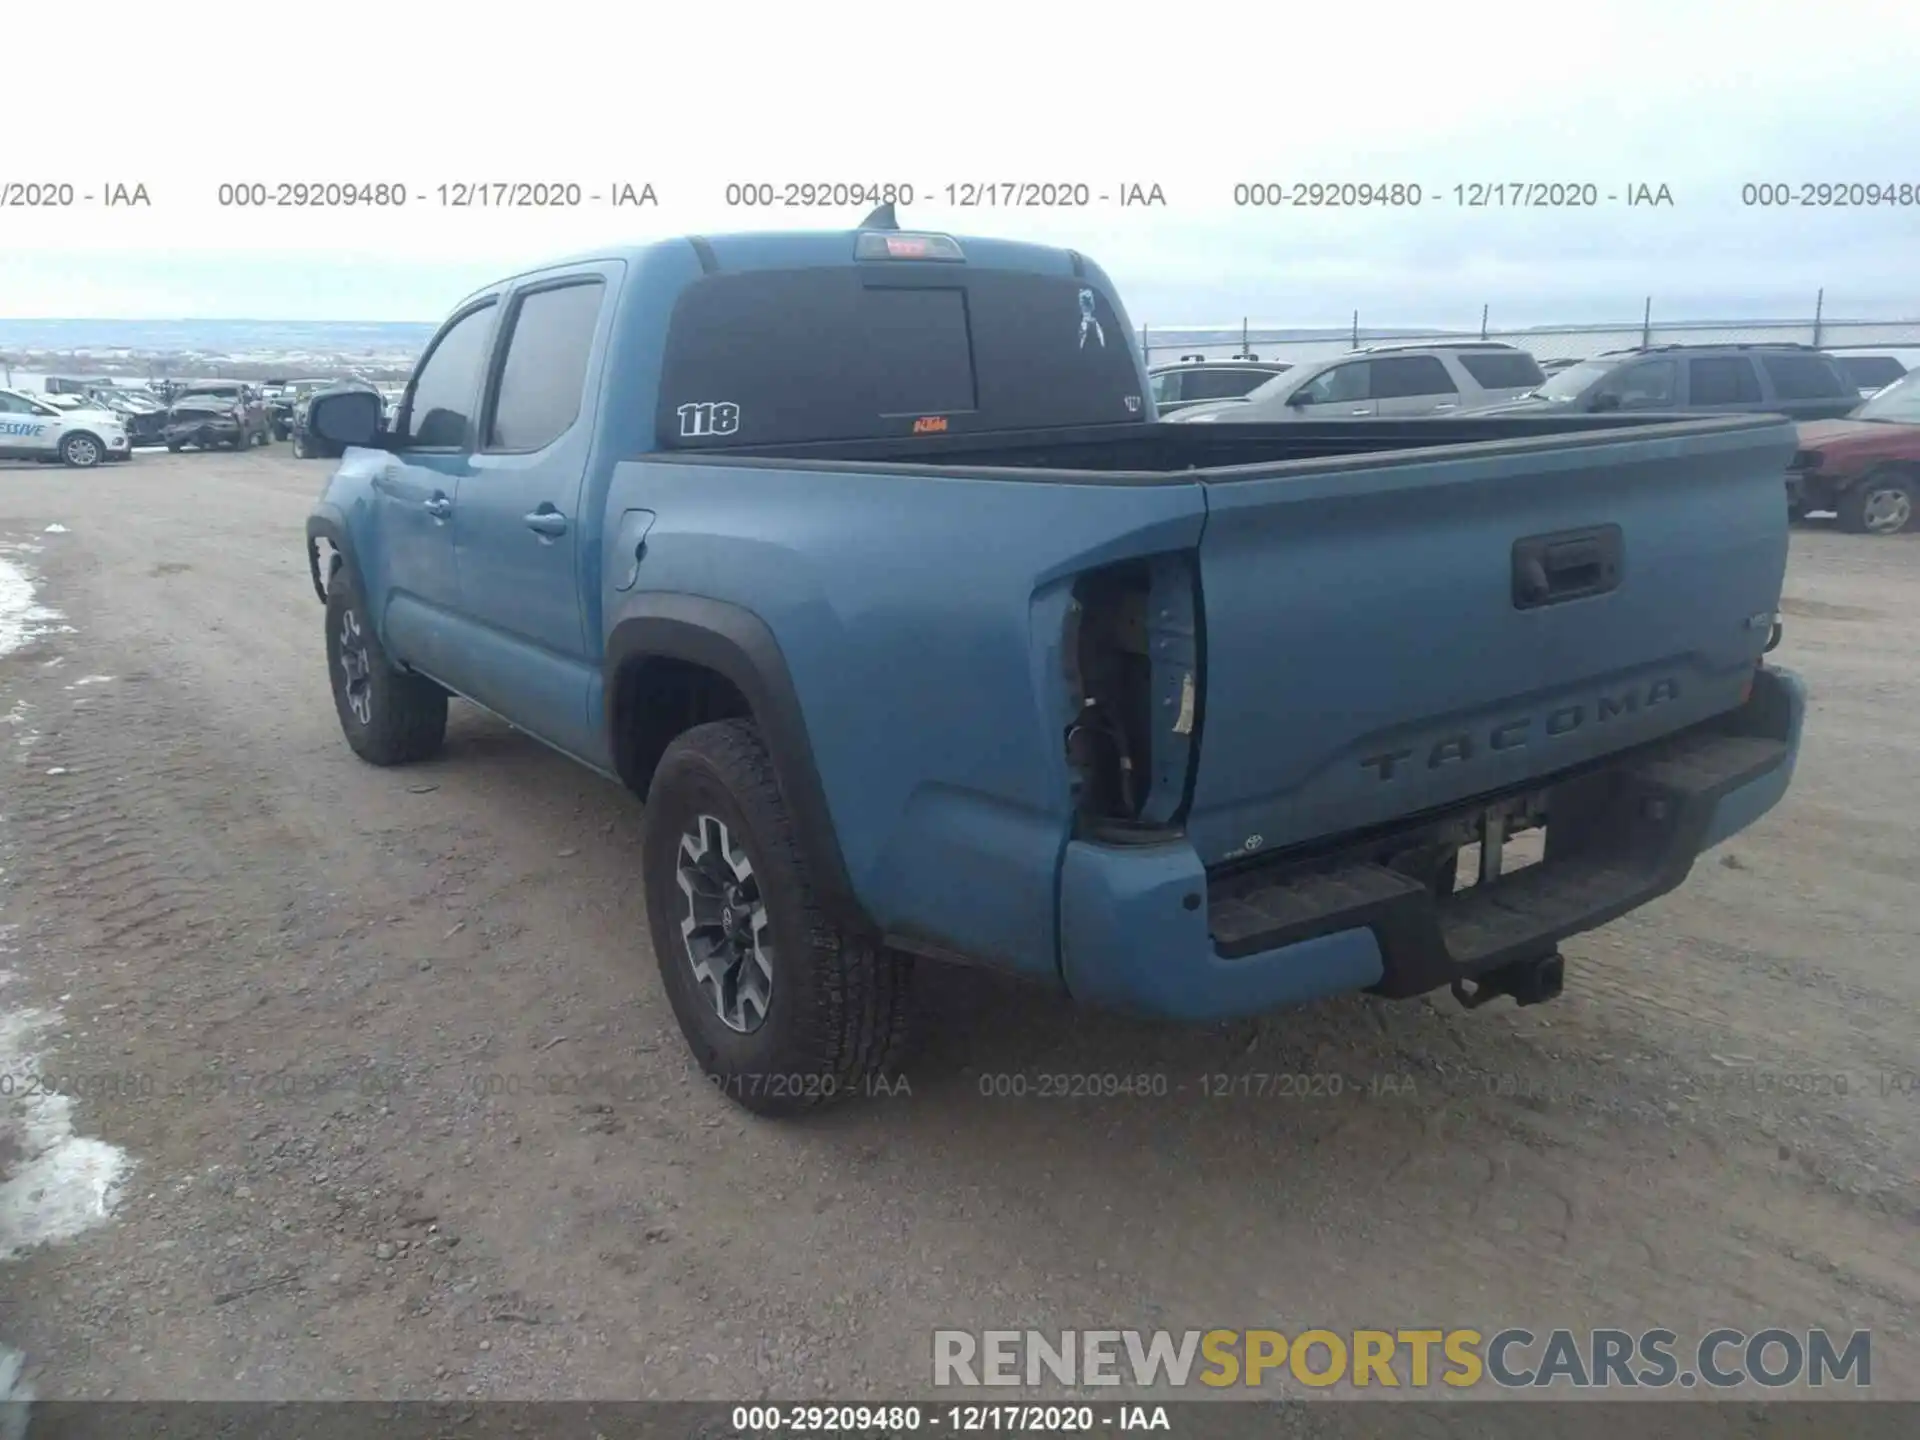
x: 1390, y: 633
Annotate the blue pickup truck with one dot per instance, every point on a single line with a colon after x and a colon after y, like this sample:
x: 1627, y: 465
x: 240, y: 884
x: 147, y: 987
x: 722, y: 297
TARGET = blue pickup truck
x: 864, y: 559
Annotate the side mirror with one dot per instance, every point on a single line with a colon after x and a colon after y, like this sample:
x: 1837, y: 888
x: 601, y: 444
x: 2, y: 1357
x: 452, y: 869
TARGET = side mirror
x: 349, y: 419
x: 1606, y: 400
x: 1299, y: 398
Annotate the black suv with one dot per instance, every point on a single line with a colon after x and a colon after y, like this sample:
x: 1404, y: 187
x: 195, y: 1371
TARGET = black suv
x: 1797, y: 381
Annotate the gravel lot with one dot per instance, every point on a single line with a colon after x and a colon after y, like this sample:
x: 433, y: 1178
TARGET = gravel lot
x: 408, y: 1115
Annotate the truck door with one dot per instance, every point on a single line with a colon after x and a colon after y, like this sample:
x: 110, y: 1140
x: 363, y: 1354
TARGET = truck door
x: 412, y: 584
x: 518, y: 527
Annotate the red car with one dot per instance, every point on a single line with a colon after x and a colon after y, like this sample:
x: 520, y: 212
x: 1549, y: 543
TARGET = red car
x: 1865, y: 467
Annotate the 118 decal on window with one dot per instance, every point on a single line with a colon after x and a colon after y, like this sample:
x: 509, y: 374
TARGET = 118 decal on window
x: 708, y: 417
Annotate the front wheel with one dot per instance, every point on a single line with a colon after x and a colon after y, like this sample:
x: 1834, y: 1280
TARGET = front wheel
x: 389, y: 715
x: 299, y: 444
x: 783, y: 1012
x: 81, y: 451
x: 1881, y: 504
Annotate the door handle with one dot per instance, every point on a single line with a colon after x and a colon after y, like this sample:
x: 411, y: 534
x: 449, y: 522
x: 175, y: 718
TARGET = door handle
x: 1363, y: 410
x: 547, y: 522
x: 440, y: 507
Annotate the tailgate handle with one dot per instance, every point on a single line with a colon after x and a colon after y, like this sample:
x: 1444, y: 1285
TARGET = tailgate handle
x: 1566, y: 565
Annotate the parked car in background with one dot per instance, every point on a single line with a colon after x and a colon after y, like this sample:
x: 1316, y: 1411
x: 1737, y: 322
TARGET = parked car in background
x: 1384, y: 380
x: 243, y: 401
x: 1554, y: 367
x: 1870, y: 373
x: 143, y: 415
x: 285, y: 400
x: 1865, y: 468
x: 68, y: 385
x: 1793, y: 380
x: 206, y: 422
x: 309, y: 446
x: 1190, y: 382
x: 31, y: 428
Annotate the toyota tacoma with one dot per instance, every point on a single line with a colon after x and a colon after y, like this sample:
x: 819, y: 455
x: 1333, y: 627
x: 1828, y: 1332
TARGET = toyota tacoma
x: 865, y: 560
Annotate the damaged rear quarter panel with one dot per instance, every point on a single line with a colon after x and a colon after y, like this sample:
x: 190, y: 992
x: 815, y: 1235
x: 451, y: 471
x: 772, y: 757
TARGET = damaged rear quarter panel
x: 921, y: 618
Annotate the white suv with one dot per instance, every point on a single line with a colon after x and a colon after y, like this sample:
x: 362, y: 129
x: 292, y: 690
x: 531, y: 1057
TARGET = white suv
x: 1386, y: 381
x: 32, y: 429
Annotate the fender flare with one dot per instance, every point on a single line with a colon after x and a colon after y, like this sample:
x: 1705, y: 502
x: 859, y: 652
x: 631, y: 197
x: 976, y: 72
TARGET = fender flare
x: 735, y: 643
x: 328, y: 523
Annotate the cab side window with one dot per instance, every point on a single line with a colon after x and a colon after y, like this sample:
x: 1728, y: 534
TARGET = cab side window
x: 545, y: 372
x: 446, y: 387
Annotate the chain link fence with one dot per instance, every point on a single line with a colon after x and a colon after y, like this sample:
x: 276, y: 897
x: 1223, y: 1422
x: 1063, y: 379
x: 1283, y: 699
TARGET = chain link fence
x: 1164, y: 345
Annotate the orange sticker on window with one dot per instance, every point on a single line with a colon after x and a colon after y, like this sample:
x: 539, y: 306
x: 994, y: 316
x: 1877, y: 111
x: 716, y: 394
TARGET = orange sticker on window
x: 929, y: 424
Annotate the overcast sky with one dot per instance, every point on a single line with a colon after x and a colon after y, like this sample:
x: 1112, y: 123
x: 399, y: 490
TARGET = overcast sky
x: 1697, y: 96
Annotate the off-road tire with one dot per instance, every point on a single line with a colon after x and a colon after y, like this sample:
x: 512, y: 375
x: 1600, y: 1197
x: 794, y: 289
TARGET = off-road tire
x: 1855, y: 500
x: 82, y: 451
x: 406, y: 714
x: 838, y: 1008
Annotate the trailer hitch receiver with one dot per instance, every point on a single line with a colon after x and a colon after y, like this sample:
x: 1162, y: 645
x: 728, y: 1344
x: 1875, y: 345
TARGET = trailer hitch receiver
x: 1532, y: 981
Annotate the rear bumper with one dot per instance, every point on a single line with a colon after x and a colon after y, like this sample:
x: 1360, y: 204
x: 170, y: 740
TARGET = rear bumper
x: 1147, y: 929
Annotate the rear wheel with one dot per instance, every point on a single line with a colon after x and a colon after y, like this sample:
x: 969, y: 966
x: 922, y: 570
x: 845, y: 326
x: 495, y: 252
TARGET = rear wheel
x: 389, y: 716
x: 783, y: 1012
x: 1881, y: 504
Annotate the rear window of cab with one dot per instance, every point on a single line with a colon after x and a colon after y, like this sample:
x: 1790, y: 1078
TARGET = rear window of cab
x: 869, y: 351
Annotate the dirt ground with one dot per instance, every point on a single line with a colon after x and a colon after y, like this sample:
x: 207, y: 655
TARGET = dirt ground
x: 409, y: 1117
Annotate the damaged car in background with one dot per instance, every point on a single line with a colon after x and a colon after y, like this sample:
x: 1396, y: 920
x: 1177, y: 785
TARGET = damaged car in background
x: 143, y: 416
x: 238, y: 401
x: 207, y: 422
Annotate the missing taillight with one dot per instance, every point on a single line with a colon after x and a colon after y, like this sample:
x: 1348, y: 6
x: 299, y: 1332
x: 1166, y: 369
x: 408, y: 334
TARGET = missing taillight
x: 1133, y: 671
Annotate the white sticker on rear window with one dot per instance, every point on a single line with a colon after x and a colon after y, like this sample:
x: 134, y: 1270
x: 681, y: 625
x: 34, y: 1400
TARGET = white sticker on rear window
x: 1088, y: 323
x: 708, y: 417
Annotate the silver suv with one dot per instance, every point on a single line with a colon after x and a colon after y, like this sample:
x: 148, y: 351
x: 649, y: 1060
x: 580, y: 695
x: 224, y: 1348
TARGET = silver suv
x: 1384, y: 380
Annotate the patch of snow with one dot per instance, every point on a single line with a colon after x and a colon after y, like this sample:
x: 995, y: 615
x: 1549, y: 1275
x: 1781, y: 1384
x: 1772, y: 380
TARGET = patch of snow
x: 22, y: 617
x: 59, y: 1184
x: 90, y: 680
x: 55, y: 529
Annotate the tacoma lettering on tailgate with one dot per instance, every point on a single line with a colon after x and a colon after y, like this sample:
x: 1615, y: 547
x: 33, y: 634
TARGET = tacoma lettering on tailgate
x: 1465, y: 746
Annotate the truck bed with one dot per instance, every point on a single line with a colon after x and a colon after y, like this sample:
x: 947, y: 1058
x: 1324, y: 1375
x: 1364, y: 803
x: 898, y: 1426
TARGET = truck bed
x: 1165, y: 452
x: 1367, y: 644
